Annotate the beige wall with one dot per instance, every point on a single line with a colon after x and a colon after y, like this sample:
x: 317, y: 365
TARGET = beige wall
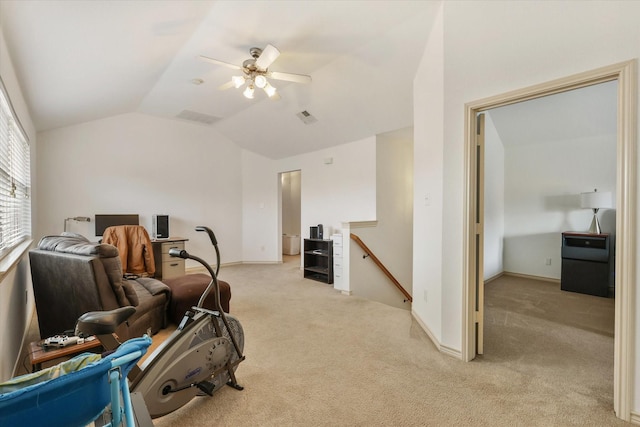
x: 391, y: 238
x: 291, y: 203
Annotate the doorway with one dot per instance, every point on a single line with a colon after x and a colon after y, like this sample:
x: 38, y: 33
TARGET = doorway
x: 290, y: 187
x: 626, y: 194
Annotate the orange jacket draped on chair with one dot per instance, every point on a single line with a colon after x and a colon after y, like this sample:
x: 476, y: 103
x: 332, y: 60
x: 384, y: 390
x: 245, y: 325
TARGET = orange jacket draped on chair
x: 134, y: 246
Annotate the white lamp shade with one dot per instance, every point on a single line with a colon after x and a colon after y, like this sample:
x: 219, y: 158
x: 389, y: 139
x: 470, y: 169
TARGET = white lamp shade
x: 237, y: 81
x: 270, y: 90
x: 248, y: 92
x: 596, y: 200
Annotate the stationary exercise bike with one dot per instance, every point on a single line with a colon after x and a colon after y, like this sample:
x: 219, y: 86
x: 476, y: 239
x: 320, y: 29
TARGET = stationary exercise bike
x: 198, y: 358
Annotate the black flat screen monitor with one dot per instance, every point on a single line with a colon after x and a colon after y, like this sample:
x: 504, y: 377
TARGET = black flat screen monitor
x: 104, y: 221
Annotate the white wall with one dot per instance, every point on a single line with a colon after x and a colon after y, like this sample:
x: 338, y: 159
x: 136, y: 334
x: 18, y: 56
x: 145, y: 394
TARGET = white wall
x: 341, y: 191
x: 139, y: 164
x: 542, y: 187
x: 428, y: 184
x: 494, y: 182
x: 391, y: 238
x: 261, y: 229
x: 532, y: 196
x: 491, y: 48
x: 16, y: 297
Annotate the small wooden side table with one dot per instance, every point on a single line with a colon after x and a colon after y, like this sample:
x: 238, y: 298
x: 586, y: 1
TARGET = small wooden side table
x: 38, y: 354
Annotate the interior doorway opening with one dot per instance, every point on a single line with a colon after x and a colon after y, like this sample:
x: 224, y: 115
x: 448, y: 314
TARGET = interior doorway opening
x: 626, y: 194
x: 290, y: 185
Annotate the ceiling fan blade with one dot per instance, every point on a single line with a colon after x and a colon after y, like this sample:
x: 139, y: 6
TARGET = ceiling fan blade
x: 215, y: 61
x: 290, y: 77
x: 227, y: 85
x: 268, y: 55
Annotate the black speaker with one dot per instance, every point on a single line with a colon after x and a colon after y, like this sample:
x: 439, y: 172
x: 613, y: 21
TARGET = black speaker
x: 160, y: 226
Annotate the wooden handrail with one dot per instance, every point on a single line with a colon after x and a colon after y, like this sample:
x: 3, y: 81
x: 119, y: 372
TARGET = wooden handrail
x: 382, y: 267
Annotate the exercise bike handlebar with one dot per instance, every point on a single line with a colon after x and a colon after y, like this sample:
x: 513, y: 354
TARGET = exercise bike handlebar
x: 212, y: 236
x: 181, y: 253
x: 178, y: 253
x: 214, y: 242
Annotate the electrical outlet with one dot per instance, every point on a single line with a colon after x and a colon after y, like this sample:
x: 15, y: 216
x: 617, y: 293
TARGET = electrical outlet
x: 547, y: 261
x: 425, y: 295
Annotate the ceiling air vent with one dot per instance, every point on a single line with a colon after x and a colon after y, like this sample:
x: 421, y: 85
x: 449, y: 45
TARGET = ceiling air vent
x: 194, y: 116
x: 306, y: 117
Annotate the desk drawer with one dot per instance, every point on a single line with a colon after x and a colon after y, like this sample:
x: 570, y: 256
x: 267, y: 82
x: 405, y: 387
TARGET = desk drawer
x: 173, y: 268
x: 170, y: 245
x: 166, y: 265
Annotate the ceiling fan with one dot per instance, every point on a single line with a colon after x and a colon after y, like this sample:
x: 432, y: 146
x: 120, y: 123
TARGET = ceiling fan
x: 256, y: 71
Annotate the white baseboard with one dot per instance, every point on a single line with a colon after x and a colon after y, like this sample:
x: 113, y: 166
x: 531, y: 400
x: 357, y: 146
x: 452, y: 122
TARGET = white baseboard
x: 200, y: 269
x: 635, y: 418
x: 492, y: 278
x: 457, y: 354
x: 441, y: 348
x: 525, y: 276
x: 529, y: 276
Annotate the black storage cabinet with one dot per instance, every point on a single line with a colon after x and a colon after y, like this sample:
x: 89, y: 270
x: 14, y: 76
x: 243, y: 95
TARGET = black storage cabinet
x: 318, y: 260
x: 588, y: 264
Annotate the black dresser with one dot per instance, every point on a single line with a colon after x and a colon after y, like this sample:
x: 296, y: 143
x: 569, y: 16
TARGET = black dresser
x: 588, y: 264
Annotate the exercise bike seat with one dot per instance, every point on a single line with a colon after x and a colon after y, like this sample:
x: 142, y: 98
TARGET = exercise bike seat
x: 103, y: 322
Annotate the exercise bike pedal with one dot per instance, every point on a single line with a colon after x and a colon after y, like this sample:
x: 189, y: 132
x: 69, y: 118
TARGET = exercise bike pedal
x: 206, y: 387
x: 235, y: 385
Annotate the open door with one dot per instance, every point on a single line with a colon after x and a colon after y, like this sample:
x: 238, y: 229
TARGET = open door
x: 479, y: 235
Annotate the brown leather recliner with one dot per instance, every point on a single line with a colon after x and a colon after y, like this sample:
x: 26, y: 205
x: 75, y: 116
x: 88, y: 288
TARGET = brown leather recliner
x: 72, y: 276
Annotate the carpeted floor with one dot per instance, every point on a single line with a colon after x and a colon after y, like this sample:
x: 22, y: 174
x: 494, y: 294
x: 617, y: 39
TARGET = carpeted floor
x: 318, y: 358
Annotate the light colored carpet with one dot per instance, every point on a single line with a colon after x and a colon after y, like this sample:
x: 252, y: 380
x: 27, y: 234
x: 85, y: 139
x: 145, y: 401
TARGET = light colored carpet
x: 318, y: 358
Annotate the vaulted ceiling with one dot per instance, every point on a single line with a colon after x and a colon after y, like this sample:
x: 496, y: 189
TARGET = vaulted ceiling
x: 84, y: 60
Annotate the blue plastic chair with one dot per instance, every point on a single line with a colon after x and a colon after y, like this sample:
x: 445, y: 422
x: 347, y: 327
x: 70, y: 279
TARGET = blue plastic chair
x: 76, y: 398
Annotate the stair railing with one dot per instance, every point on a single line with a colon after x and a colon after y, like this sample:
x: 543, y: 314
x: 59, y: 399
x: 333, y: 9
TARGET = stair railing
x: 381, y: 266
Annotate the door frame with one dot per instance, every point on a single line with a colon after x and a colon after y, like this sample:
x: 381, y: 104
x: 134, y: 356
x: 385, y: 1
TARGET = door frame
x: 626, y: 201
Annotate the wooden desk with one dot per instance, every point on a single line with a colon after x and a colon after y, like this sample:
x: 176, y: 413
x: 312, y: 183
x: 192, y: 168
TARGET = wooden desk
x: 166, y: 265
x: 38, y: 354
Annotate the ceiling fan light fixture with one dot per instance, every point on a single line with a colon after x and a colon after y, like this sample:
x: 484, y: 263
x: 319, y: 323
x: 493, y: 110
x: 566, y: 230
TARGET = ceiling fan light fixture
x: 261, y: 81
x: 270, y: 90
x: 237, y: 81
x: 256, y: 73
x: 248, y: 92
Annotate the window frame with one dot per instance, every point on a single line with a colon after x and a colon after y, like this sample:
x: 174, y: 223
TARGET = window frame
x: 15, y: 178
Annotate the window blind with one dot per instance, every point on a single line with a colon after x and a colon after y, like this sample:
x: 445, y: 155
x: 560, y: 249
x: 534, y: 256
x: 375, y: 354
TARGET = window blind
x: 15, y: 181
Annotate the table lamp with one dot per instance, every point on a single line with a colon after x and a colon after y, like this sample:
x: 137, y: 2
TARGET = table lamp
x: 595, y: 201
